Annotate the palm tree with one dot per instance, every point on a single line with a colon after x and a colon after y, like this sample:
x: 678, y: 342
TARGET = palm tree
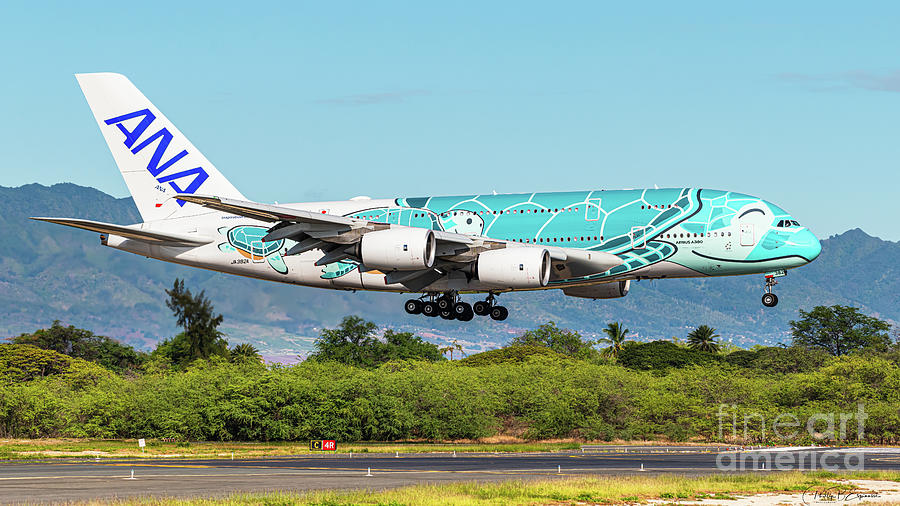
x: 245, y: 352
x: 452, y: 346
x: 616, y: 339
x: 703, y: 338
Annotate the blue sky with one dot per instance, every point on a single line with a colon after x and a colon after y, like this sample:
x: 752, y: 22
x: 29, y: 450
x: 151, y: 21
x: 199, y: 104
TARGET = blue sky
x: 796, y: 102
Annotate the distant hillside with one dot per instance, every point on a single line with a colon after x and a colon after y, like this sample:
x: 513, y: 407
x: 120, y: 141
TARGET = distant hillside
x: 51, y: 272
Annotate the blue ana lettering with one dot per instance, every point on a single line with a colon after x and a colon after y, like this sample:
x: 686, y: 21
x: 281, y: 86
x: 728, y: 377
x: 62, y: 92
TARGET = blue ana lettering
x: 165, y: 138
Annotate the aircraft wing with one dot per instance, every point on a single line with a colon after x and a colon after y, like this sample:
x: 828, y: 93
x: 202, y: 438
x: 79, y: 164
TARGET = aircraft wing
x: 321, y: 226
x: 132, y: 232
x: 336, y: 236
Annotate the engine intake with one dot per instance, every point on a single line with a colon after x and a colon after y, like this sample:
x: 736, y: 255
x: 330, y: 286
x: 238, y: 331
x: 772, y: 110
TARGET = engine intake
x: 398, y: 249
x: 514, y: 267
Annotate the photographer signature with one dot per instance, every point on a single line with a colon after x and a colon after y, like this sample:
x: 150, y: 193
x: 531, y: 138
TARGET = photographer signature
x: 817, y: 494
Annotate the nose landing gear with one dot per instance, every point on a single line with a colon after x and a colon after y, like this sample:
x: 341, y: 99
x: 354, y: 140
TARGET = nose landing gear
x: 769, y: 299
x: 448, y: 306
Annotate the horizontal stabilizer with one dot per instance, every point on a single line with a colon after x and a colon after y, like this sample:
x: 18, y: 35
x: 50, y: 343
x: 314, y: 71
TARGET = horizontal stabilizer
x: 132, y: 232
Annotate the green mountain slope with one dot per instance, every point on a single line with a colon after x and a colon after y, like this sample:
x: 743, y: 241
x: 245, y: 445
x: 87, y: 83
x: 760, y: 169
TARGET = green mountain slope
x: 51, y: 272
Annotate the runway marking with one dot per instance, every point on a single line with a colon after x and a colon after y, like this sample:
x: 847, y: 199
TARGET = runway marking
x: 231, y: 475
x: 141, y: 464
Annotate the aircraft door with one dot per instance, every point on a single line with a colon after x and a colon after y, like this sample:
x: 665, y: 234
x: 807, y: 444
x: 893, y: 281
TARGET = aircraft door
x: 639, y: 236
x: 748, y: 237
x: 592, y: 210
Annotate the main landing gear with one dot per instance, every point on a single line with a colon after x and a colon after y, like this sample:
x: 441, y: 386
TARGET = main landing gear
x: 769, y: 299
x: 449, y: 307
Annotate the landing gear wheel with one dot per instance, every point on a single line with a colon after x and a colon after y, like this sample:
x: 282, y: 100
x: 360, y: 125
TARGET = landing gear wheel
x: 430, y: 309
x: 461, y: 308
x: 465, y: 317
x: 481, y: 308
x: 499, y: 313
x: 413, y: 306
x: 447, y: 314
x: 444, y: 302
x: 770, y: 300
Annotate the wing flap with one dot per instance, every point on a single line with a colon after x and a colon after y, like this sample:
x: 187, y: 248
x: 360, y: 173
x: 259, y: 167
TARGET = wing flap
x: 267, y: 212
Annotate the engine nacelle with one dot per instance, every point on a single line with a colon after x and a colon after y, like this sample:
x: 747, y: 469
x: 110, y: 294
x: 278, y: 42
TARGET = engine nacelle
x: 514, y: 267
x: 612, y: 290
x: 398, y: 249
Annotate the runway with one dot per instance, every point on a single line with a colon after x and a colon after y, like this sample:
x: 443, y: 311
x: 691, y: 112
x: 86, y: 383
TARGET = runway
x: 72, y: 480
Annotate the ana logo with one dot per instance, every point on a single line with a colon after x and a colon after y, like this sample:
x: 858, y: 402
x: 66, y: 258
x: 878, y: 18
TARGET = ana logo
x: 156, y: 166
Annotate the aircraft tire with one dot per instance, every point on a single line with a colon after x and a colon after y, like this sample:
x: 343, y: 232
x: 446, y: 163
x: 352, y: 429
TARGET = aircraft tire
x: 447, y: 314
x: 444, y: 303
x: 481, y: 308
x: 770, y: 300
x: 430, y: 309
x: 413, y: 306
x: 467, y: 316
x: 461, y: 308
x: 499, y: 313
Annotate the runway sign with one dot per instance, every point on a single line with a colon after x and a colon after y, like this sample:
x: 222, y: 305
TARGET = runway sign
x: 328, y: 445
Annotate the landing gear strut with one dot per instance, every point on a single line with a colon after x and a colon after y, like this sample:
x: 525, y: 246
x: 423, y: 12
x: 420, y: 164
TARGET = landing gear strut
x: 449, y: 306
x: 769, y: 299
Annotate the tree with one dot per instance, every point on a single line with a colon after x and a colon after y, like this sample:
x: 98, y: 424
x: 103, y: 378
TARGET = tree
x: 839, y: 330
x: 564, y: 341
x: 354, y: 342
x: 195, y: 315
x: 406, y: 346
x: 703, y: 338
x: 84, y: 344
x: 616, y: 339
x: 244, y: 352
x: 451, y: 347
x: 351, y: 343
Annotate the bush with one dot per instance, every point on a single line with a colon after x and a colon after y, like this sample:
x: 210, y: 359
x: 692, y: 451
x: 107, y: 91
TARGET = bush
x: 509, y: 354
x: 662, y: 355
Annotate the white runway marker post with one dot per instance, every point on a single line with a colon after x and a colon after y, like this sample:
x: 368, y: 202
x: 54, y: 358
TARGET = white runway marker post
x: 369, y: 471
x: 642, y: 466
x: 132, y: 476
x: 559, y: 469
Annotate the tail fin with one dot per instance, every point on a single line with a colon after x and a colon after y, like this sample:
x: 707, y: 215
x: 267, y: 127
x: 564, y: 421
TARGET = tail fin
x: 155, y: 159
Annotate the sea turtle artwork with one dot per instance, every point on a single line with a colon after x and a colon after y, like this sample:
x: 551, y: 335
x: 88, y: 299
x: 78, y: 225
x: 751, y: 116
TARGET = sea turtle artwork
x: 247, y: 240
x: 338, y: 269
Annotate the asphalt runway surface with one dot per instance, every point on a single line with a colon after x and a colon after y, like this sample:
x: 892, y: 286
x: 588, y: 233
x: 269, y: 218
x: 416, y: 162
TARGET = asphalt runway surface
x: 78, y: 480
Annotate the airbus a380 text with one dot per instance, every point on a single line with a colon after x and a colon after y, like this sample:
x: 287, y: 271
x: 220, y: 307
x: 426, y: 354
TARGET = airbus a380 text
x: 587, y: 243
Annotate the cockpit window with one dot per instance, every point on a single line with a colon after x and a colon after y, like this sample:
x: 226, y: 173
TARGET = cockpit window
x: 788, y: 223
x: 795, y: 223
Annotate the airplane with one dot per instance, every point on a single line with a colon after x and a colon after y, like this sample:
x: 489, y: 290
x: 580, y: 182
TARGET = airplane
x: 589, y: 244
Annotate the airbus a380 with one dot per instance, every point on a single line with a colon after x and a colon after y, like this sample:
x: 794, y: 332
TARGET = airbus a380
x: 589, y: 244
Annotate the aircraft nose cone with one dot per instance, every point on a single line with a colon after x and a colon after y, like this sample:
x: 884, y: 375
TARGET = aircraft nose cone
x: 809, y: 245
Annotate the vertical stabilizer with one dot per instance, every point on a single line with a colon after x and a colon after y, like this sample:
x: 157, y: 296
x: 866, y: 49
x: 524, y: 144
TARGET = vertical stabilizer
x: 156, y: 160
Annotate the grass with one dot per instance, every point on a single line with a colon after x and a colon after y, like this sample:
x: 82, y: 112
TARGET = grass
x: 570, y: 490
x: 62, y: 448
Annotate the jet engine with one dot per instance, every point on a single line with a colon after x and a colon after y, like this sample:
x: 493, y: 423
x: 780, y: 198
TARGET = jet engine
x: 514, y: 267
x: 612, y: 290
x: 398, y: 249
